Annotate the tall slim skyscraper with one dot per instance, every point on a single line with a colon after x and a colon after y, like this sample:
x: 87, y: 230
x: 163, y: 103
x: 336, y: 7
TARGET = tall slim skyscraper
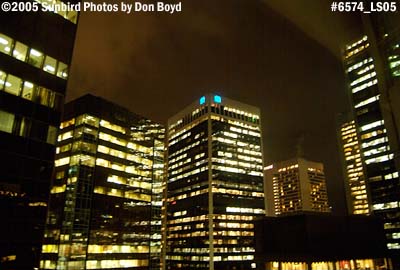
x: 372, y: 66
x: 354, y: 175
x: 104, y: 212
x: 296, y: 185
x: 35, y: 55
x: 214, y: 185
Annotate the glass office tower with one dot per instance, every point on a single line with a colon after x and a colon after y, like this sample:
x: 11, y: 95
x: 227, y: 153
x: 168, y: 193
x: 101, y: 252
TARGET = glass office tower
x: 35, y: 55
x: 214, y: 185
x: 372, y: 66
x: 105, y: 202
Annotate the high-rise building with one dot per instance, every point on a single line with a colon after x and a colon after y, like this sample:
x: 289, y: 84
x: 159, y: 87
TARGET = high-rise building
x: 295, y: 185
x: 372, y: 67
x: 214, y: 185
x: 105, y: 202
x: 354, y: 175
x: 35, y: 55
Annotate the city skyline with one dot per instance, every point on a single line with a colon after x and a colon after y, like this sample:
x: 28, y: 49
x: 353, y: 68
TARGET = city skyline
x: 245, y: 51
x: 143, y: 140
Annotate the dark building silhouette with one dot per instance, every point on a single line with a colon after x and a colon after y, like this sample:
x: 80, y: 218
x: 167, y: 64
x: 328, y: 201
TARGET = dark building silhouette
x: 310, y: 241
x: 105, y: 201
x: 35, y: 55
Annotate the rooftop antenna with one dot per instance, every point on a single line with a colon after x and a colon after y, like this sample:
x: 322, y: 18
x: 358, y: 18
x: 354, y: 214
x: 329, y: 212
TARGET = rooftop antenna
x: 300, y: 146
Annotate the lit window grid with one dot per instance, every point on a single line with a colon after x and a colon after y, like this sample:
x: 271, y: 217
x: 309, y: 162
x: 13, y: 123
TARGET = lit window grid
x: 355, y: 174
x: 377, y: 149
x: 287, y: 190
x: 17, y: 86
x: 115, y: 179
x: 33, y: 57
x: 184, y: 158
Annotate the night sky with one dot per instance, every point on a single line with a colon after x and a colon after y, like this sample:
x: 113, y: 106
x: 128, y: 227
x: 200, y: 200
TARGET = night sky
x: 280, y: 55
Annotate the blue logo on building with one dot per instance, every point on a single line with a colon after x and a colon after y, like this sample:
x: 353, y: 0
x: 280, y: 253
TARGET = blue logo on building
x: 217, y: 99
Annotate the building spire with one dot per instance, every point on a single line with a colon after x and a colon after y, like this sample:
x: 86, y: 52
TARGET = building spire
x: 300, y: 146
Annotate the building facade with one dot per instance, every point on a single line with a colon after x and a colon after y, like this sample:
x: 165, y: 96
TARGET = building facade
x: 35, y: 55
x: 320, y: 241
x: 295, y: 185
x: 372, y: 67
x: 354, y: 175
x: 105, y: 201
x: 214, y: 185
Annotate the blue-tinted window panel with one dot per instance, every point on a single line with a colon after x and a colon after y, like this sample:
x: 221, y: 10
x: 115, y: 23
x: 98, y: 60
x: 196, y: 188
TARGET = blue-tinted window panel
x: 202, y: 100
x: 217, y: 99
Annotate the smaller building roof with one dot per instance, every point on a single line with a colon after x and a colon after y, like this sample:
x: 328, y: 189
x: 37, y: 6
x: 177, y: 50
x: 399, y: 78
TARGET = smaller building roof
x: 319, y: 237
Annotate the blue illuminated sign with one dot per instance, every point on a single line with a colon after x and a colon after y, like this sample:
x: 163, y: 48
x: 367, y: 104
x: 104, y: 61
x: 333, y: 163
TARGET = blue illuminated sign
x: 217, y: 99
x: 202, y: 100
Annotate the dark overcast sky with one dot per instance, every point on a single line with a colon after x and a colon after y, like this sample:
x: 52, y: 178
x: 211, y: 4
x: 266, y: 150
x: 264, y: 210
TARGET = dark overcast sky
x: 280, y: 55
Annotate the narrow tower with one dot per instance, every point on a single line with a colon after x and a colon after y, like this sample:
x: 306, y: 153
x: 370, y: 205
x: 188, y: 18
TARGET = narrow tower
x: 214, y: 185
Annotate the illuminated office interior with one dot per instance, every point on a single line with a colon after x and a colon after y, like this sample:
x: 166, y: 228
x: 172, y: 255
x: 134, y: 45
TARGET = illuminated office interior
x: 105, y: 204
x: 369, y: 90
x: 214, y: 185
x: 355, y: 184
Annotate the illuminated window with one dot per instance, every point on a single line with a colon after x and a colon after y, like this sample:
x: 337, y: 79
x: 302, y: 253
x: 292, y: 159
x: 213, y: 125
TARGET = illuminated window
x: 50, y: 65
x: 5, y: 44
x: 35, y: 58
x: 25, y: 127
x: 372, y: 125
x: 13, y: 85
x: 68, y: 123
x: 80, y: 146
x: 45, y: 97
x: 65, y: 148
x: 87, y: 119
x: 58, y: 189
x: 49, y: 248
x: 65, y: 136
x: 83, y: 160
x: 379, y: 159
x: 393, y: 246
x: 51, y: 135
x: 112, y: 126
x: 2, y: 79
x: 102, y: 162
x: 20, y: 51
x: 47, y: 264
x: 28, y: 90
x: 367, y: 101
x: 37, y: 94
x: 62, y: 161
x: 112, y: 139
x: 62, y: 70
x: 7, y: 121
